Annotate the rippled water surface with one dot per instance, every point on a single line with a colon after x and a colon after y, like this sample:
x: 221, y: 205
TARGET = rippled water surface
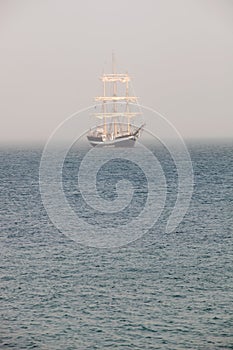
x: 163, y: 291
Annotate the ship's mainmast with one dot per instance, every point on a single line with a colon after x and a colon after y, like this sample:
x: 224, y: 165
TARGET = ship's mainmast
x: 115, y: 78
x: 114, y: 93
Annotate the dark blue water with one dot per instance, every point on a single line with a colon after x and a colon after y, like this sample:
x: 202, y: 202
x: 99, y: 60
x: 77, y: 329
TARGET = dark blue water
x: 163, y: 291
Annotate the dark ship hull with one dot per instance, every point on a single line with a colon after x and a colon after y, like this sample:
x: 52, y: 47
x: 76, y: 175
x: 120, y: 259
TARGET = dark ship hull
x: 121, y: 141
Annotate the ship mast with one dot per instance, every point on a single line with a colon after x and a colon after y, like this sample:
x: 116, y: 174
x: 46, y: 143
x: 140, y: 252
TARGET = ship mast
x: 114, y: 79
x: 104, y: 108
x: 114, y: 92
x: 127, y: 106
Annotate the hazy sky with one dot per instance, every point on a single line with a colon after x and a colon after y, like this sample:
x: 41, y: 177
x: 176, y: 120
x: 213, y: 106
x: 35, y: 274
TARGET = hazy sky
x: 52, y: 52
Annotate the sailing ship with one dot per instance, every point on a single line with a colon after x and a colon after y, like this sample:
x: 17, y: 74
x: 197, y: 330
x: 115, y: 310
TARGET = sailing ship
x: 116, y: 113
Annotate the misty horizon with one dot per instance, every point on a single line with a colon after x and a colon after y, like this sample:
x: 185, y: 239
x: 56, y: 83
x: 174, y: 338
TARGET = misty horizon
x: 179, y: 54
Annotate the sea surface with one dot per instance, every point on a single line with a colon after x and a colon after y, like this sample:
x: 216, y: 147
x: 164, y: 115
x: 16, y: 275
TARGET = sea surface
x: 160, y: 291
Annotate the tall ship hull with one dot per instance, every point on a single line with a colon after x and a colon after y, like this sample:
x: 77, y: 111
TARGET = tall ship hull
x: 126, y: 141
x: 98, y: 138
x: 116, y: 129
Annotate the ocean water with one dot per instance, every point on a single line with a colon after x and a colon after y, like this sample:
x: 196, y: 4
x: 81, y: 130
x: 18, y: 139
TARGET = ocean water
x: 161, y: 291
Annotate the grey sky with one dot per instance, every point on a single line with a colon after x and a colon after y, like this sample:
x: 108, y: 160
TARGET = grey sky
x: 52, y: 52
